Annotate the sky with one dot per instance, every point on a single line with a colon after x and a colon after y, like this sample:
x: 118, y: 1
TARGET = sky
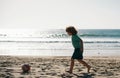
x: 57, y: 14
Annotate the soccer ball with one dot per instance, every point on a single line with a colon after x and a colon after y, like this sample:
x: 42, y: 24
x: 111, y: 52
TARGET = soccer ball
x: 26, y: 68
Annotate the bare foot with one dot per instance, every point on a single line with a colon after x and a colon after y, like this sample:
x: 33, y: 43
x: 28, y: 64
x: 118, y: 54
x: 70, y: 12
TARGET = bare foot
x: 69, y: 72
x: 89, y: 67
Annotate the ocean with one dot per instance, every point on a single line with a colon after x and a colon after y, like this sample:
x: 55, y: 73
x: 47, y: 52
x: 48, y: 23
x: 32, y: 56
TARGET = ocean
x: 55, y: 42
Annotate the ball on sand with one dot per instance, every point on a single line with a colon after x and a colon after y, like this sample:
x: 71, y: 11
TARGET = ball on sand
x: 26, y: 68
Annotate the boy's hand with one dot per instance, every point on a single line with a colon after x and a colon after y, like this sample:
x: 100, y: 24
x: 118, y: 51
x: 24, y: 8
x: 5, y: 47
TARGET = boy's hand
x: 81, y: 43
x: 81, y: 49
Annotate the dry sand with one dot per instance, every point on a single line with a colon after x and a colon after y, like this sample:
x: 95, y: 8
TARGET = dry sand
x: 55, y: 67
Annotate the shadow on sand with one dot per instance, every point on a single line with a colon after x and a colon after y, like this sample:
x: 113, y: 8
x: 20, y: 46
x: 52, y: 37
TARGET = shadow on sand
x: 81, y: 75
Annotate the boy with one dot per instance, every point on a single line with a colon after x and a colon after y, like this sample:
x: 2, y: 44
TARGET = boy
x: 78, y: 48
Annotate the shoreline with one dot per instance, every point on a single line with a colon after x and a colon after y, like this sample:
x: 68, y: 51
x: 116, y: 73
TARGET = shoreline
x: 85, y: 57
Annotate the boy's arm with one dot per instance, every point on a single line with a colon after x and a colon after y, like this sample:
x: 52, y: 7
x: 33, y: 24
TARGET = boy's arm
x: 81, y: 43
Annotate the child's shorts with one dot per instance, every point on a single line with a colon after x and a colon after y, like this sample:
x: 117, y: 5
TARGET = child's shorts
x: 77, y: 54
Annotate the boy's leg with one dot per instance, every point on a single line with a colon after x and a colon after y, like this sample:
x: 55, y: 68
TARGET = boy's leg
x: 85, y: 64
x: 71, y: 66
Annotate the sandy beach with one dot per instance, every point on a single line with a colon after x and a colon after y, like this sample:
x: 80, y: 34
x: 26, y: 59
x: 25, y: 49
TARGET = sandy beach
x: 55, y: 67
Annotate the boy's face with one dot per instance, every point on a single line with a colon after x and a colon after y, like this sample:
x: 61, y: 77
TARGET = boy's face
x: 69, y: 33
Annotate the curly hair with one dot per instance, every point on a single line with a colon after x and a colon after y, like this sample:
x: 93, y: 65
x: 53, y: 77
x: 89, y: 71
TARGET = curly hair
x: 72, y: 30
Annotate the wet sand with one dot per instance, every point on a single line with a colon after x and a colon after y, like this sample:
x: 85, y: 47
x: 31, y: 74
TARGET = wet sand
x: 55, y: 67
